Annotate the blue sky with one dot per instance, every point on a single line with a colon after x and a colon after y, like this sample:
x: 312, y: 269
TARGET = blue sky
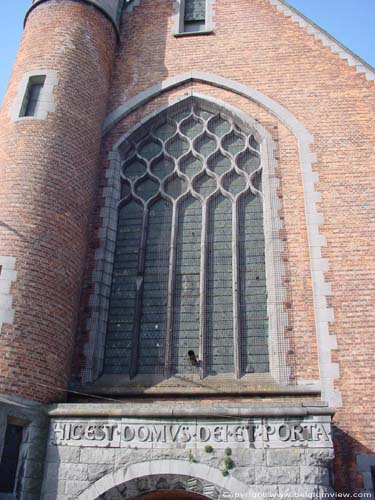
x: 350, y: 21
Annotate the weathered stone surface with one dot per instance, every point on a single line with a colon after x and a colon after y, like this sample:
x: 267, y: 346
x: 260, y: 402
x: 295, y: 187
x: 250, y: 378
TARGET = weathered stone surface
x: 54, y: 497
x: 305, y: 492
x: 27, y: 495
x: 315, y: 475
x: 73, y: 472
x: 266, y: 492
x: 82, y: 463
x: 124, y: 456
x: 52, y: 486
x: 277, y: 475
x: 31, y: 487
x: 251, y: 457
x: 96, y: 471
x: 74, y: 488
x: 63, y: 454
x: 284, y: 458
x: 318, y: 457
x: 52, y: 470
x: 98, y: 455
x: 245, y: 474
x: 37, y: 450
x: 33, y: 469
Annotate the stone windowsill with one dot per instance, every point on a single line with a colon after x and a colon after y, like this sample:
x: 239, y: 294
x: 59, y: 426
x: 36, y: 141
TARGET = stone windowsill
x: 192, y: 385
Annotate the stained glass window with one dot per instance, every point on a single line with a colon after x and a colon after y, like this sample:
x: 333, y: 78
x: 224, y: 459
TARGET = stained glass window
x: 189, y: 268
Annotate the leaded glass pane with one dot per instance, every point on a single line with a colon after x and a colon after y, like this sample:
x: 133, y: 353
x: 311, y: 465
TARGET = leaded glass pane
x: 195, y: 10
x: 190, y: 226
x: 124, y: 290
x: 219, y: 300
x: 153, y: 319
x: 253, y: 291
x: 187, y: 286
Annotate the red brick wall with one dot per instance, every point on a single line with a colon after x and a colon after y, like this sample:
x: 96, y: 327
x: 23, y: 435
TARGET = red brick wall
x: 254, y: 44
x: 48, y: 172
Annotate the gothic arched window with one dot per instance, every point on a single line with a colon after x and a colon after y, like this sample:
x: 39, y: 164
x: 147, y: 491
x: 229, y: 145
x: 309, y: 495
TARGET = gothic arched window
x: 189, y: 267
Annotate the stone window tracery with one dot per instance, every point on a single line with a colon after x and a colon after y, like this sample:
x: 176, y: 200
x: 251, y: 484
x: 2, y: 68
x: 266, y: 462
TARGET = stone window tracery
x: 189, y: 267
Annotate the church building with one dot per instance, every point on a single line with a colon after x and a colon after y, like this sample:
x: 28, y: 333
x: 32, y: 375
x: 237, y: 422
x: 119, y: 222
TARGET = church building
x: 187, y: 255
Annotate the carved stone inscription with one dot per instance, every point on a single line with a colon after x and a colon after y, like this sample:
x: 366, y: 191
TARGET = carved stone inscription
x: 125, y: 433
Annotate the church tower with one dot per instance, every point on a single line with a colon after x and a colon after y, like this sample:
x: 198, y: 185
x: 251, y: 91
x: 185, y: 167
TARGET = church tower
x: 50, y: 139
x: 51, y: 122
x: 183, y: 294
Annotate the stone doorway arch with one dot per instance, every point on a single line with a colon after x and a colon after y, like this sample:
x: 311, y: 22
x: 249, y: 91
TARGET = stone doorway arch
x: 177, y: 479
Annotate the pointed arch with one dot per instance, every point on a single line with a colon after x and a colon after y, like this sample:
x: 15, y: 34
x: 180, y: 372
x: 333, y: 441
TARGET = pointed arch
x: 226, y: 148
x: 323, y: 313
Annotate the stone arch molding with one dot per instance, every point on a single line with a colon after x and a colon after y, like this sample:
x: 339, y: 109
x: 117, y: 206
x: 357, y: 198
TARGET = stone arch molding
x: 277, y: 343
x: 324, y: 314
x: 144, y: 477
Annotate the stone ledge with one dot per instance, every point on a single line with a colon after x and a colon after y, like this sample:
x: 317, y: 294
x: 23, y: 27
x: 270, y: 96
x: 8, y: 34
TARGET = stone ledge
x: 171, y: 410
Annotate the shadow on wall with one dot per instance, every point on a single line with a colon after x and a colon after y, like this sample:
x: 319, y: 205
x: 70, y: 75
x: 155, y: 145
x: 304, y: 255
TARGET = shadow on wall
x: 347, y: 478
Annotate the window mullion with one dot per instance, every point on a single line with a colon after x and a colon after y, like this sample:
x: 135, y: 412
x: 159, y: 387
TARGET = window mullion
x: 171, y: 288
x: 139, y: 297
x: 236, y: 291
x: 203, y: 355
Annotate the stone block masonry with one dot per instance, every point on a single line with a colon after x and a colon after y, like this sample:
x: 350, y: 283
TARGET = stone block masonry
x: 226, y: 457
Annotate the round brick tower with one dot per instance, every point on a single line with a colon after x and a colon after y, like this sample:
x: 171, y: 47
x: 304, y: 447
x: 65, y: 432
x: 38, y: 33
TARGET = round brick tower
x: 50, y: 124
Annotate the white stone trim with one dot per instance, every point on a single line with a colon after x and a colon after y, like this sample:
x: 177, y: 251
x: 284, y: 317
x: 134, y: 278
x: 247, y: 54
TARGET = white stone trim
x: 7, y: 276
x: 164, y: 467
x: 329, y: 371
x: 364, y: 464
x: 328, y: 40
x: 47, y: 99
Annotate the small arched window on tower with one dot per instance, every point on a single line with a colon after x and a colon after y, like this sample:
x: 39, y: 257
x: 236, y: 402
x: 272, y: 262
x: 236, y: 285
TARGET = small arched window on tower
x: 189, y: 276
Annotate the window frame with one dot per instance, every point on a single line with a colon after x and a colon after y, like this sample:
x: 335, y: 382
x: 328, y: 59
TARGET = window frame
x: 46, y: 103
x: 280, y: 364
x: 34, y: 81
x: 179, y: 28
x: 234, y: 336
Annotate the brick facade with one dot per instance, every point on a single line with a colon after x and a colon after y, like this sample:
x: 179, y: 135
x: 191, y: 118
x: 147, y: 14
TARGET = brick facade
x: 47, y: 189
x: 55, y: 183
